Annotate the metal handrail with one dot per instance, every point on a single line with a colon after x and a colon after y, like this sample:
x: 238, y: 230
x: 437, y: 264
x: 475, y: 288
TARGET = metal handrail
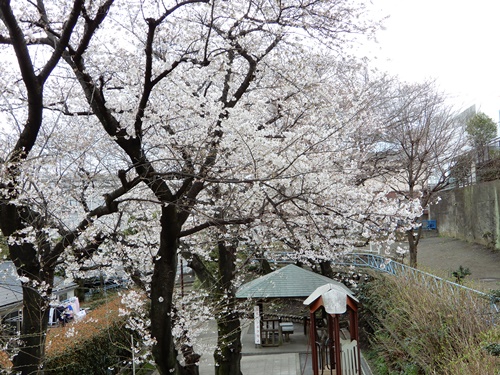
x: 387, y: 265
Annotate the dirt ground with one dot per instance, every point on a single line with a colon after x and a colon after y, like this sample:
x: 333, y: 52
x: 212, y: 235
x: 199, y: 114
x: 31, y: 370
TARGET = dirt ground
x: 442, y: 256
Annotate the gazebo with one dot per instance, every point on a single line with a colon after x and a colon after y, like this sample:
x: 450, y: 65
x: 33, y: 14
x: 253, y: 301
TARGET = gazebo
x: 335, y: 350
x: 290, y: 281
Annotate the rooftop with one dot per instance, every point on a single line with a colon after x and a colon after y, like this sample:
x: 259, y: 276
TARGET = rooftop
x: 290, y: 281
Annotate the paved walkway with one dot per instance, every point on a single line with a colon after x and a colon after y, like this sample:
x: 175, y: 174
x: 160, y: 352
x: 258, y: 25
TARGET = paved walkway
x: 282, y: 360
x: 276, y: 364
x: 443, y: 255
x: 290, y: 358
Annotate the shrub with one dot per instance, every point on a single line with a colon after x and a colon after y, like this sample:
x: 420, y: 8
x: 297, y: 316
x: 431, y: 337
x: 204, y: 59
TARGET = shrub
x: 460, y: 274
x: 420, y: 331
x: 96, y: 345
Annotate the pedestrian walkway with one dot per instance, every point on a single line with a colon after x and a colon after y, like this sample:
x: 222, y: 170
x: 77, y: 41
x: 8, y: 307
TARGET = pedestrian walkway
x: 276, y: 364
x: 280, y: 360
x: 290, y: 358
x: 444, y: 254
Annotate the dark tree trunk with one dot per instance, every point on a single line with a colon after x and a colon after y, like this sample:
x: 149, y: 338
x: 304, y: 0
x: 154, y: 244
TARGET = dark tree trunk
x: 35, y: 317
x: 326, y: 269
x: 265, y: 267
x: 162, y: 288
x: 31, y: 353
x: 413, y: 240
x: 228, y: 352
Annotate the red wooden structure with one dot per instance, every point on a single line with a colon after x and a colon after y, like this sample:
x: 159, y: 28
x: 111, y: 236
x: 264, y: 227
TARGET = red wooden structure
x: 337, y: 352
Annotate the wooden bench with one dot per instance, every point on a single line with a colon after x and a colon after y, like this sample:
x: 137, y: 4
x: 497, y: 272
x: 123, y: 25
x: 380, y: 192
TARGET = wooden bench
x: 286, y: 330
x: 305, y: 320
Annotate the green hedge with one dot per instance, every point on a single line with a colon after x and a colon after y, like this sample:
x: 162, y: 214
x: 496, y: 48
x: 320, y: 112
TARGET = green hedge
x: 98, y: 344
x: 103, y: 353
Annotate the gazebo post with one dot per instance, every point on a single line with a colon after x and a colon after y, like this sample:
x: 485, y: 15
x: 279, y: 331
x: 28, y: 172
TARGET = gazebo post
x: 353, y: 325
x: 336, y: 327
x: 354, y: 330
x: 356, y: 337
x: 331, y: 337
x: 353, y: 319
x: 312, y: 338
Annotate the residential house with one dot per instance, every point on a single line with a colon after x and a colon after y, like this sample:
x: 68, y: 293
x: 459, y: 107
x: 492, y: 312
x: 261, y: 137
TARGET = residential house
x: 11, y: 295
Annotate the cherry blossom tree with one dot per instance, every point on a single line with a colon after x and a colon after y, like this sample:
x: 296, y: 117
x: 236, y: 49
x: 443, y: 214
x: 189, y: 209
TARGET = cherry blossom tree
x: 47, y: 192
x: 221, y: 115
x: 306, y: 198
x: 49, y: 198
x: 202, y: 92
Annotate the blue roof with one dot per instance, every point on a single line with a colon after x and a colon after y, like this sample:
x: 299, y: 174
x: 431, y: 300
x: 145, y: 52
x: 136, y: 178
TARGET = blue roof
x: 290, y: 281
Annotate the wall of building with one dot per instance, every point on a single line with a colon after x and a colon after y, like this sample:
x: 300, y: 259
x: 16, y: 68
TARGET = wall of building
x: 471, y: 213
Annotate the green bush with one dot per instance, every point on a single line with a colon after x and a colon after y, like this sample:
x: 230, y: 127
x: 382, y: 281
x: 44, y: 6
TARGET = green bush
x: 99, y: 344
x: 103, y: 354
x: 415, y: 330
x: 460, y: 274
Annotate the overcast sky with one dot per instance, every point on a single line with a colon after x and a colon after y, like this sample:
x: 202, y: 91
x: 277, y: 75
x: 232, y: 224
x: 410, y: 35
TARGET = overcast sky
x: 455, y: 41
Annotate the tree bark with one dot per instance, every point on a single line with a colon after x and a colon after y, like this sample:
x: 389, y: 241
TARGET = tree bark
x: 228, y: 352
x: 162, y: 288
x: 31, y: 353
x: 413, y: 240
x: 326, y: 269
x: 265, y: 267
x: 35, y: 317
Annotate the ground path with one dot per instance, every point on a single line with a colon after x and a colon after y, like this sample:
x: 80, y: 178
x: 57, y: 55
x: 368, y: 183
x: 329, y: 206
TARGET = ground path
x: 442, y: 256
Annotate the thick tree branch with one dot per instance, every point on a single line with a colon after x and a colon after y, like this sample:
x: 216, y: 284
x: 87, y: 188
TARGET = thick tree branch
x: 110, y: 206
x: 90, y: 29
x: 202, y: 272
x: 33, y: 85
x: 18, y: 42
x: 62, y: 42
x: 216, y: 223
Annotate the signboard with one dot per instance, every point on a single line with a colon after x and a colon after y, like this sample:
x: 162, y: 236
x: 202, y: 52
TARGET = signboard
x: 256, y: 324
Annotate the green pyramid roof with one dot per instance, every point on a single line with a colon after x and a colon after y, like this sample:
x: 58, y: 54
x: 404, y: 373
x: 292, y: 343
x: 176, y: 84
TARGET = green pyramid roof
x: 287, y: 282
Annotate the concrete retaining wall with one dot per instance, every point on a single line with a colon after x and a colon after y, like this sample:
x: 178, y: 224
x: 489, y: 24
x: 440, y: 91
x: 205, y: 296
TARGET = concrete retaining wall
x: 471, y: 213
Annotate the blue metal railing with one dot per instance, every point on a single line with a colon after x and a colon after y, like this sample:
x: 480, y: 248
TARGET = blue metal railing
x: 435, y: 283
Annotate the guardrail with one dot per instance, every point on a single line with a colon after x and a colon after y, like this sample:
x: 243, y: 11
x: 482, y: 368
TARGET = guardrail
x: 435, y: 283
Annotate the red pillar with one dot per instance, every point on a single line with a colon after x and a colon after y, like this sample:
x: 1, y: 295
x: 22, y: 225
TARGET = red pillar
x: 356, y: 328
x: 338, y: 360
x: 331, y: 336
x: 312, y: 337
